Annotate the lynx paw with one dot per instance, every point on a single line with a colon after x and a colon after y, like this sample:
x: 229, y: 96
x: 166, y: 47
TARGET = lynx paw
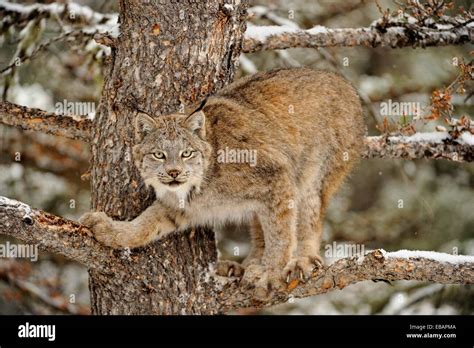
x: 227, y: 268
x: 263, y: 279
x: 101, y: 225
x: 301, y: 268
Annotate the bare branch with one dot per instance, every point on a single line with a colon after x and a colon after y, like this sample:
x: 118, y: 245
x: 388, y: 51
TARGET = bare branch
x: 8, y: 272
x: 376, y: 265
x: 405, y: 147
x: 65, y: 157
x: 74, y: 34
x: 52, y: 233
x: 261, y: 38
x: 75, y: 127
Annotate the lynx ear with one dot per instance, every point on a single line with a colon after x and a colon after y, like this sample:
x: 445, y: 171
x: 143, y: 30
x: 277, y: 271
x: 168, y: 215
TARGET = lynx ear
x: 144, y: 124
x: 196, y: 123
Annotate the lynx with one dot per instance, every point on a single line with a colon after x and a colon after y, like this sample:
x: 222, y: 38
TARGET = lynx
x: 269, y: 151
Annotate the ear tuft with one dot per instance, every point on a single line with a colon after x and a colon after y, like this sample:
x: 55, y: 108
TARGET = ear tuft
x: 196, y: 123
x: 144, y: 124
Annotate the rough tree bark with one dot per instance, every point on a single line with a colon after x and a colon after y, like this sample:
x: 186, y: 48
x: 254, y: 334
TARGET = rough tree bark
x: 75, y: 127
x: 396, y: 36
x: 222, y: 294
x: 168, y: 54
x: 171, y: 54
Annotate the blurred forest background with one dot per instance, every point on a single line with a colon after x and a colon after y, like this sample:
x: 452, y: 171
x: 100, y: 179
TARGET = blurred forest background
x: 438, y: 201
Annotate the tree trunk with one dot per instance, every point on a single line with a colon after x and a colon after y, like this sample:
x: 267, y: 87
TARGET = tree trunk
x: 168, y: 54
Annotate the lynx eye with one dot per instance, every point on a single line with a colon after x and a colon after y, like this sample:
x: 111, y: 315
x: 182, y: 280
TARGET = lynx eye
x: 160, y: 155
x: 186, y: 153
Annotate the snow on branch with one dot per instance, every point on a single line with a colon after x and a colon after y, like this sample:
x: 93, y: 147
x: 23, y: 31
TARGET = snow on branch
x: 435, y: 145
x: 74, y: 241
x: 274, y: 37
x: 52, y: 233
x: 74, y: 127
x: 377, y: 265
x: 75, y: 20
x: 70, y: 12
x: 414, y: 24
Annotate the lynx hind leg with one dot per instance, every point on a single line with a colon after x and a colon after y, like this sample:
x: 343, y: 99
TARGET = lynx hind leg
x: 257, y: 244
x: 310, y: 223
x: 306, y: 258
x: 229, y: 268
x: 278, y: 223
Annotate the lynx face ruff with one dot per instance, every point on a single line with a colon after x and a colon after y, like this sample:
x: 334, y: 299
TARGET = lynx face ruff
x: 269, y: 150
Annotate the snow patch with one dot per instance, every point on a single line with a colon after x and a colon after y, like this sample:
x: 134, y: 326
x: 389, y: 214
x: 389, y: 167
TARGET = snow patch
x: 466, y: 138
x: 444, y: 26
x: 428, y: 137
x: 74, y: 9
x: 32, y: 96
x: 110, y: 21
x: 433, y: 138
x: 111, y: 27
x: 4, y: 201
x: 258, y: 10
x: 432, y: 255
x: 412, y: 20
x: 396, y: 30
x: 318, y: 29
x: 261, y: 33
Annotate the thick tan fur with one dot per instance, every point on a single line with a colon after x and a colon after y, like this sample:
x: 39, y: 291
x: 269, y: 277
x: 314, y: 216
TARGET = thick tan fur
x: 305, y: 128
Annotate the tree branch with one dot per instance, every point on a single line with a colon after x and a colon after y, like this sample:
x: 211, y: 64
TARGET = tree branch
x: 57, y: 235
x: 262, y: 38
x: 8, y: 273
x: 381, y: 147
x: 53, y: 234
x: 65, y: 157
x: 416, y: 147
x: 74, y: 127
x: 376, y: 265
x: 70, y: 12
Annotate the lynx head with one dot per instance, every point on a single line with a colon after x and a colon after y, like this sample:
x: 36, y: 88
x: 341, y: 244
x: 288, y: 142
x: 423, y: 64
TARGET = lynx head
x: 171, y: 152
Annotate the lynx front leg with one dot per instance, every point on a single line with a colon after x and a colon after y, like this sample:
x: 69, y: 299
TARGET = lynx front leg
x: 152, y: 224
x: 279, y: 231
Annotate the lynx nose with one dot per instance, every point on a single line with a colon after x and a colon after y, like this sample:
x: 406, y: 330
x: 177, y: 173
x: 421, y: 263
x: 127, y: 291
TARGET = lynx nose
x: 174, y: 173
